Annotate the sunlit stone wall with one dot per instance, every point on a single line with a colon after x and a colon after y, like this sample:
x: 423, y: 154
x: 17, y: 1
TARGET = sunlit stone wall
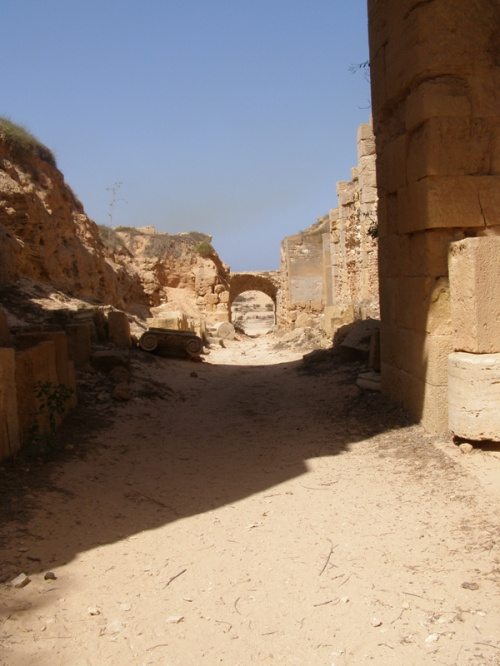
x: 435, y: 76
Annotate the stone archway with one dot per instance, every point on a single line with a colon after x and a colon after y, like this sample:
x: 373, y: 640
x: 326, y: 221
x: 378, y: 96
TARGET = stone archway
x: 266, y: 282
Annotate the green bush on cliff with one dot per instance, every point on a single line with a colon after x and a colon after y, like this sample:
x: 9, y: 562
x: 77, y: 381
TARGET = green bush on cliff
x: 21, y: 140
x: 205, y: 249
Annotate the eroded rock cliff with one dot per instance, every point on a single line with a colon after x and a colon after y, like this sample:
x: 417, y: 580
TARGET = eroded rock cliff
x: 46, y: 237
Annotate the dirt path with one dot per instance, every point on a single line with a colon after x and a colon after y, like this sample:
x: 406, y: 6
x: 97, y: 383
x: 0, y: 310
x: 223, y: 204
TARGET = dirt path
x: 244, y: 511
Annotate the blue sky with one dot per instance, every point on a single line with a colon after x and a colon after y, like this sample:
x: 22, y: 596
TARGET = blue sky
x: 235, y: 118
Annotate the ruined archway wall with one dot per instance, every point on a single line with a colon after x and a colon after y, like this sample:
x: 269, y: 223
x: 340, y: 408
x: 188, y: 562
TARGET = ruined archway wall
x: 353, y: 268
x: 435, y: 74
x: 266, y: 282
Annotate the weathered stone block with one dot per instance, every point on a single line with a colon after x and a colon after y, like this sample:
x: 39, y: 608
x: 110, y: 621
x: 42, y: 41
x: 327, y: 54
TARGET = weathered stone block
x: 106, y: 360
x: 436, y: 202
x: 427, y: 403
x: 368, y: 195
x: 5, y: 340
x: 79, y: 344
x: 424, y: 356
x: 220, y: 316
x: 368, y: 174
x: 119, y: 329
x: 432, y: 99
x: 34, y: 366
x: 27, y: 340
x: 388, y: 214
x: 175, y: 319
x: 393, y: 254
x: 347, y: 194
x: 9, y: 430
x: 392, y: 174
x: 212, y: 299
x: 474, y: 266
x: 484, y: 87
x: 388, y: 288
x: 474, y: 395
x: 428, y: 252
x: 450, y: 147
x: 365, y: 133
x: 423, y: 305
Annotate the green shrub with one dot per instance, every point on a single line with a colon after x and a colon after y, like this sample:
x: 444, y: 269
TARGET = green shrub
x: 20, y: 140
x: 52, y: 401
x: 205, y: 249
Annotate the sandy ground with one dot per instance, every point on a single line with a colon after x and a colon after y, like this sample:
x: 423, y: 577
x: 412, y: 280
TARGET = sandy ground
x: 250, y: 509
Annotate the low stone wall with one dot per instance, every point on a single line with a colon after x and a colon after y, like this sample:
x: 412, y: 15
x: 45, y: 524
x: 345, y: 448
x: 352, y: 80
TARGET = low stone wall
x: 39, y: 359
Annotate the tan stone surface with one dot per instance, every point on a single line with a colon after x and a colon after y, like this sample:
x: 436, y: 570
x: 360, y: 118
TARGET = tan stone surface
x: 423, y: 356
x: 435, y: 101
x: 428, y: 403
x: 5, y: 339
x: 47, y: 237
x: 79, y: 345
x: 474, y: 265
x: 9, y: 431
x: 119, y: 329
x: 474, y: 395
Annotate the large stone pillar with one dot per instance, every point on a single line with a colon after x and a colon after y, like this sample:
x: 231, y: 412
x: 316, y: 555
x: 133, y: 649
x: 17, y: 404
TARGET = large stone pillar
x: 435, y: 76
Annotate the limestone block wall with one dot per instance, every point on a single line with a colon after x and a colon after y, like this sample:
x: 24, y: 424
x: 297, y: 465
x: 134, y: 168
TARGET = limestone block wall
x: 301, y: 297
x: 38, y: 358
x: 9, y: 432
x: 330, y: 272
x: 474, y: 366
x: 435, y: 77
x: 352, y: 274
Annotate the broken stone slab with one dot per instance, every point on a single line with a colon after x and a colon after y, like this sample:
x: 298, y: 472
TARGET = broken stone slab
x: 20, y: 581
x: 369, y: 380
x: 119, y: 329
x: 174, y: 320
x: 356, y: 344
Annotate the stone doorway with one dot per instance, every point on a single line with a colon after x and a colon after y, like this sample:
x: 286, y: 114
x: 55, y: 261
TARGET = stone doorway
x: 253, y: 312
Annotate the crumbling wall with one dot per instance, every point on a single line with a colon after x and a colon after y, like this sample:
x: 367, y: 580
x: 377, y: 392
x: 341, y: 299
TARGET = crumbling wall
x: 301, y: 299
x: 37, y: 372
x: 330, y: 271
x: 352, y: 245
x: 435, y: 77
x: 38, y: 359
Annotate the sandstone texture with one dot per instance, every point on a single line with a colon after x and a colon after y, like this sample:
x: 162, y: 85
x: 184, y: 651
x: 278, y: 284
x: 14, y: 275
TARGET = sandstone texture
x: 329, y: 272
x: 47, y: 238
x: 474, y: 395
x: 435, y: 80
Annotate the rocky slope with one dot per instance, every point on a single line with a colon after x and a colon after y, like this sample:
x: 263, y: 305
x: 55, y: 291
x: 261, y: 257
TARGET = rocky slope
x: 46, y: 238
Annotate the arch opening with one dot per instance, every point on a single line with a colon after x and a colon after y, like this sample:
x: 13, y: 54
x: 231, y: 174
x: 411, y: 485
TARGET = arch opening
x: 253, y: 312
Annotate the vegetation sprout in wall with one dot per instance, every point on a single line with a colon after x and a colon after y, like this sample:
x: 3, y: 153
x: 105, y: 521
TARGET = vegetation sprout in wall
x: 21, y: 140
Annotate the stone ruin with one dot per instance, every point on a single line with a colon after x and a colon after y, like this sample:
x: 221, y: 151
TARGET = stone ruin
x: 45, y: 357
x: 329, y: 273
x: 435, y: 79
